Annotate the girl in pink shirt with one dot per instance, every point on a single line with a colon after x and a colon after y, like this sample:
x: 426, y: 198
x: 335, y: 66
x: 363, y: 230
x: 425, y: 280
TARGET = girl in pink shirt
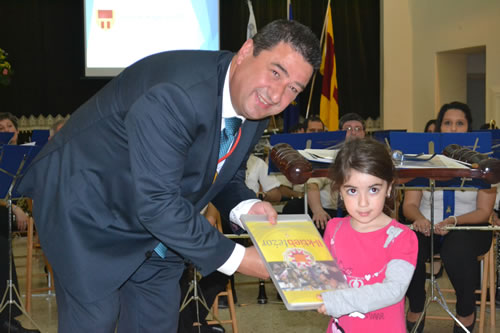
x: 376, y: 253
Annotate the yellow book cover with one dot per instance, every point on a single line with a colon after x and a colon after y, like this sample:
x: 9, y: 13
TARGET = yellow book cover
x: 296, y: 257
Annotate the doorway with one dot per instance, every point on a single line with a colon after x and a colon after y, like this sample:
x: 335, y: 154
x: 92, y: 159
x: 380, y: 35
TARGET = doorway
x: 461, y: 76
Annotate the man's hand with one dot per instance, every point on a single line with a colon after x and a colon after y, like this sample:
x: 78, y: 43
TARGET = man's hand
x: 264, y: 208
x: 253, y: 265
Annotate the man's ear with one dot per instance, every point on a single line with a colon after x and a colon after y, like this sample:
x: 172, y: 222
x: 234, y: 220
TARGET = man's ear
x: 245, y: 51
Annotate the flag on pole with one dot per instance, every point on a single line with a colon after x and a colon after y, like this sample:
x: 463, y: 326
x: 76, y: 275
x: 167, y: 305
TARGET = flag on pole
x: 289, y: 9
x: 292, y: 112
x: 329, y: 104
x: 252, y: 26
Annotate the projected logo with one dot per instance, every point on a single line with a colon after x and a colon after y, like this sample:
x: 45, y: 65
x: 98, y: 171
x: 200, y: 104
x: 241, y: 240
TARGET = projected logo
x: 105, y: 18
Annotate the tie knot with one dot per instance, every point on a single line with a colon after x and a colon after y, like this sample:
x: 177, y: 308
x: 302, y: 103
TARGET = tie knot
x: 232, y: 124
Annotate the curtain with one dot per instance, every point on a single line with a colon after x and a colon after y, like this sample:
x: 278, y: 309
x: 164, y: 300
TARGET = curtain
x: 44, y: 40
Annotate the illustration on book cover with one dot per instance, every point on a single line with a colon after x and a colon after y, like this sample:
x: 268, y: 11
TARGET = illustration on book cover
x: 298, y: 260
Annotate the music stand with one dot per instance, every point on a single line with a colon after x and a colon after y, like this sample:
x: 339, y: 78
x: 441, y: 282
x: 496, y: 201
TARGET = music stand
x: 5, y: 137
x: 300, y: 141
x: 434, y: 286
x: 13, y: 160
x: 431, y: 142
x: 40, y: 137
x: 197, y: 297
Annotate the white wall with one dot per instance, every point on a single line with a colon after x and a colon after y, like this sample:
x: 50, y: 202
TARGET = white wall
x: 430, y: 27
x: 396, y: 65
x: 451, y: 79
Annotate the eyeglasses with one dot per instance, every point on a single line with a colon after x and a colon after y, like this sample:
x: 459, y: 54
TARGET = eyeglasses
x: 353, y: 129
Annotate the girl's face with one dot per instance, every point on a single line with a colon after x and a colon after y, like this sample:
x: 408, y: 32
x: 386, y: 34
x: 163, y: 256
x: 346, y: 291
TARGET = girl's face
x: 454, y: 121
x: 364, y: 197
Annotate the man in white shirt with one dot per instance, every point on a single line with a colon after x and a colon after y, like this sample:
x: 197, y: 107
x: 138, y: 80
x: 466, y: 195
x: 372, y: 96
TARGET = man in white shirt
x: 265, y: 186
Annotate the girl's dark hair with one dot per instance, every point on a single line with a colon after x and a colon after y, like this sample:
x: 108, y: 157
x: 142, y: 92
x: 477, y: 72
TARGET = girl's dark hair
x: 365, y: 156
x: 454, y: 105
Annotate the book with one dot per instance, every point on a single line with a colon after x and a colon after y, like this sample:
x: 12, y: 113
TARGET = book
x: 299, y: 263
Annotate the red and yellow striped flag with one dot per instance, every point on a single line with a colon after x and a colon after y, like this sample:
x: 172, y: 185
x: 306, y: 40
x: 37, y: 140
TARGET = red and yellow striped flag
x: 329, y: 104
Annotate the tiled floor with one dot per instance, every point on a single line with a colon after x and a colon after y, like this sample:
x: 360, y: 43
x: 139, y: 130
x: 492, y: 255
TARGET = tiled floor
x: 252, y: 317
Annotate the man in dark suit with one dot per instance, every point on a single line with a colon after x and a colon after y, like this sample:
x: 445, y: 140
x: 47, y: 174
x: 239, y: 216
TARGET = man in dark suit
x: 118, y: 191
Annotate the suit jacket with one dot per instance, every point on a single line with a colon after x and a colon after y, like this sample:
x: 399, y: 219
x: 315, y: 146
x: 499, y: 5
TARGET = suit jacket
x: 133, y: 167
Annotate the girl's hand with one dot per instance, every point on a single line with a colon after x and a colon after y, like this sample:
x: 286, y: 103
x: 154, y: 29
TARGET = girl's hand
x: 322, y: 308
x: 423, y: 226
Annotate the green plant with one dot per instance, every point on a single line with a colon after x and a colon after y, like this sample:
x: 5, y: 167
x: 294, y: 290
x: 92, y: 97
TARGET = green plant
x: 5, y: 69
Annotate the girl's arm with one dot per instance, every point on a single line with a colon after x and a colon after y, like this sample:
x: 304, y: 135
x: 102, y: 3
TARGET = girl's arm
x: 370, y: 297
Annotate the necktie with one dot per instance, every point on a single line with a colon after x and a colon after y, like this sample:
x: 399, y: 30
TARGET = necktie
x: 227, y: 134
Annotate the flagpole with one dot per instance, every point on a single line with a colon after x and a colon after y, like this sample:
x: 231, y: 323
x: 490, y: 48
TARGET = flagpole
x: 315, y: 72
x: 288, y: 18
x: 324, y: 23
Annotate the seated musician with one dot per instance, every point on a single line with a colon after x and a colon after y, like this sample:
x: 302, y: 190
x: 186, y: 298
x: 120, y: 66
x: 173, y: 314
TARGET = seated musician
x: 209, y: 285
x: 8, y: 123
x: 265, y: 186
x: 322, y: 204
x: 496, y: 221
x: 430, y: 126
x: 458, y: 249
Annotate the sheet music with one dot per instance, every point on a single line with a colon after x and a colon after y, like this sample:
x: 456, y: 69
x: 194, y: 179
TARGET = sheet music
x: 319, y: 155
x: 420, y: 161
x: 423, y: 161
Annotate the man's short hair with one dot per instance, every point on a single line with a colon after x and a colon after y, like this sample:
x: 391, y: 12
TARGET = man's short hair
x: 297, y: 128
x: 298, y: 36
x: 313, y: 118
x: 349, y: 117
